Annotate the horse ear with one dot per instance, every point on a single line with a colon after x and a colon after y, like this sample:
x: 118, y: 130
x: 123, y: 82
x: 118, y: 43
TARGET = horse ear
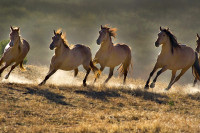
x: 198, y: 35
x: 160, y: 28
x: 101, y: 27
x: 54, y: 32
x: 11, y: 28
x: 18, y: 28
x: 60, y: 33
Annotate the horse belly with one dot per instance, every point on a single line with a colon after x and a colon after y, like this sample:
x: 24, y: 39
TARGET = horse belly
x: 71, y: 64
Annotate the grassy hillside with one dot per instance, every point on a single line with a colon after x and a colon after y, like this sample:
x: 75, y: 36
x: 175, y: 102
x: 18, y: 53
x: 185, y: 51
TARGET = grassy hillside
x: 137, y: 22
x: 64, y: 105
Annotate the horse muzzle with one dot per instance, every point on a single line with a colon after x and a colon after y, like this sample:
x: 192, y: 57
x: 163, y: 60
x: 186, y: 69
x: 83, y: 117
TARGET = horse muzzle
x: 157, y: 44
x: 197, y: 49
x: 51, y: 46
x: 98, y: 42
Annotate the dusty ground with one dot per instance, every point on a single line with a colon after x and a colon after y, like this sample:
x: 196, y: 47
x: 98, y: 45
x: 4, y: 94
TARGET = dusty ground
x: 64, y: 105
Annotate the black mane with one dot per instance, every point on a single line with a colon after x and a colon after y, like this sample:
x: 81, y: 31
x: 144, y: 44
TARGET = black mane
x: 173, y: 40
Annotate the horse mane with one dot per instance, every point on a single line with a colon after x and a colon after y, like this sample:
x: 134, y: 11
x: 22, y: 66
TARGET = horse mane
x: 112, y: 31
x: 63, y: 37
x: 173, y: 40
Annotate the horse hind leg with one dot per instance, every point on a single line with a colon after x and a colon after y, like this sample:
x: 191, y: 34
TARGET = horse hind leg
x: 125, y: 75
x: 101, y: 69
x: 88, y: 69
x: 178, y: 77
x: 195, y: 81
x: 75, y: 72
x: 21, y: 65
x: 1, y: 61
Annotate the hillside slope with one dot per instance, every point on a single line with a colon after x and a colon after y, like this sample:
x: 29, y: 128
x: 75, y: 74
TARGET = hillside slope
x: 64, y: 105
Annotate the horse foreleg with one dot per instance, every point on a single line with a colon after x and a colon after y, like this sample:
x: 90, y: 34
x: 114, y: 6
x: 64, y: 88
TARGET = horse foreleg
x: 75, y: 72
x: 195, y: 81
x: 110, y: 75
x: 101, y: 69
x: 178, y: 77
x: 13, y: 67
x: 151, y: 74
x: 158, y: 74
x: 3, y: 68
x: 85, y: 79
x: 47, y: 77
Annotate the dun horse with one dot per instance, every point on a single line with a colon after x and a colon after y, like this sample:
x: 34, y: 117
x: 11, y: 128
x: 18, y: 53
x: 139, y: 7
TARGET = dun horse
x: 112, y: 55
x: 174, y: 57
x: 69, y: 58
x: 193, y: 70
x: 15, y: 51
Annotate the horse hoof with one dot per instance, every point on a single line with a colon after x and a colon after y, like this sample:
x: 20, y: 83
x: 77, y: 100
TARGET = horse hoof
x: 84, y: 84
x: 166, y: 89
x: 152, y: 85
x: 42, y: 83
x: 6, y: 77
x: 146, y: 87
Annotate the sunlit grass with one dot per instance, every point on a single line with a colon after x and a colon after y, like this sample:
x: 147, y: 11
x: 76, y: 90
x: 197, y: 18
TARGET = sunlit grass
x: 61, y: 106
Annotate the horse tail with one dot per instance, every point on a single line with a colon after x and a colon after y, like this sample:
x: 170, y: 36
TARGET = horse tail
x: 94, y: 69
x: 125, y: 66
x: 196, y: 67
x: 21, y: 66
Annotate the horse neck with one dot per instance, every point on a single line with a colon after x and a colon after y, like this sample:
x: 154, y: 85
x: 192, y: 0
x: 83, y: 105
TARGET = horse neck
x: 166, y: 48
x: 17, y: 43
x: 106, y: 44
x: 59, y: 51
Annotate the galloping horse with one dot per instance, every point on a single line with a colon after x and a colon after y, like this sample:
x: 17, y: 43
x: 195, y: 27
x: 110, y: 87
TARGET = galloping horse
x: 173, y: 56
x: 69, y: 58
x: 14, y: 52
x: 111, y: 55
x: 193, y: 70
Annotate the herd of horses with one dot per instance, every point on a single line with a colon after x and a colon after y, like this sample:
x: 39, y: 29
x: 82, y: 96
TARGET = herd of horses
x: 173, y: 56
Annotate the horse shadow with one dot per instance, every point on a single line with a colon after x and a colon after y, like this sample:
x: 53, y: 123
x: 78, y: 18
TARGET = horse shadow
x: 102, y: 95
x: 146, y: 95
x: 195, y: 97
x: 51, y: 96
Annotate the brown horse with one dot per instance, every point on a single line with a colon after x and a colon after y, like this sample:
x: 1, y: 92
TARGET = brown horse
x: 69, y: 58
x: 173, y: 57
x: 111, y: 55
x: 15, y: 51
x: 195, y: 73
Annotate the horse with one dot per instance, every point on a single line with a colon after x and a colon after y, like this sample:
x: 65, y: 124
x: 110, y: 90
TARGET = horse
x: 111, y: 55
x: 69, y: 58
x: 174, y: 57
x: 193, y: 70
x: 14, y: 52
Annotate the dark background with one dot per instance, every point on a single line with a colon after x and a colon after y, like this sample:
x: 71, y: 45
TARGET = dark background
x: 137, y: 21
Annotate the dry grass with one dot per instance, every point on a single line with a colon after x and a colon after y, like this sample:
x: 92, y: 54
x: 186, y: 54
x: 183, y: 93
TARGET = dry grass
x: 69, y: 107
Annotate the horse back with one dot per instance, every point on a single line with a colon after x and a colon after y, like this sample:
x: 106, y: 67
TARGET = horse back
x: 25, y: 45
x: 82, y: 49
